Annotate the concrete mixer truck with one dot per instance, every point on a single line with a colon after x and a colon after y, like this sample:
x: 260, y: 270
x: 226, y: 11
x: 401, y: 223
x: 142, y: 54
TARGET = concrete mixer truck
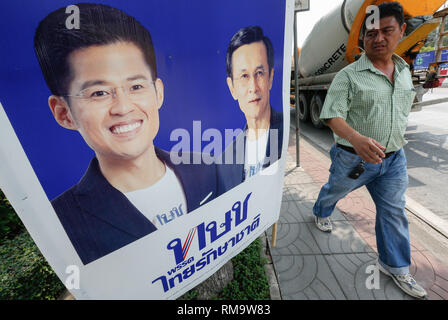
x: 334, y: 42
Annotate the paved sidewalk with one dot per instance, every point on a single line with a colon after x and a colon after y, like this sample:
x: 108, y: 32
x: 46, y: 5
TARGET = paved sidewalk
x: 310, y: 264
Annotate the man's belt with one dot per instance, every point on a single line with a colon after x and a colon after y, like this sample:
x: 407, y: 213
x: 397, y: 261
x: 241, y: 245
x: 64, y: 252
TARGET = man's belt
x: 351, y: 150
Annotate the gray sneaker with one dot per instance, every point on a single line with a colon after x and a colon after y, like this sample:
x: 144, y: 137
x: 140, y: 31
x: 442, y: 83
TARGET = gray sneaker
x: 406, y: 283
x: 323, y: 224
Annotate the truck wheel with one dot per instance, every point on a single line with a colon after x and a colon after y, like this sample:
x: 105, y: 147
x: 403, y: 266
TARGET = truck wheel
x: 315, y: 109
x: 304, y: 110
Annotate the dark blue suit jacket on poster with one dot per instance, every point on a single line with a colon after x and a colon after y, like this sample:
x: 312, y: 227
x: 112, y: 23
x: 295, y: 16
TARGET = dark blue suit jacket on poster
x: 99, y: 219
x: 231, y: 175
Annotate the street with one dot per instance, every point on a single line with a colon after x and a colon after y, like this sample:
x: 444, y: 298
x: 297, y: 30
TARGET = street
x: 427, y: 152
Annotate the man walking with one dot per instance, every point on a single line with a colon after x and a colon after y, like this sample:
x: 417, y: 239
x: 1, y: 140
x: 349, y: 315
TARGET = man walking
x: 367, y: 107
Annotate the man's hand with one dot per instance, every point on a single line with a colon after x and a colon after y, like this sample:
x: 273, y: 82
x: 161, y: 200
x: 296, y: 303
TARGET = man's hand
x: 368, y: 149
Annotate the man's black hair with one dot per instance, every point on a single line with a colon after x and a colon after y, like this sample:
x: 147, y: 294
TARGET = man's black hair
x: 244, y: 36
x: 388, y: 9
x: 99, y: 25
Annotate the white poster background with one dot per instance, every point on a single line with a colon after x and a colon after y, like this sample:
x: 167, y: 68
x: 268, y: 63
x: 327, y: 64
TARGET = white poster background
x: 130, y: 272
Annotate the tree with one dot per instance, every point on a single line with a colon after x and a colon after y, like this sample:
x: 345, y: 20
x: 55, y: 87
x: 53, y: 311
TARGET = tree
x: 216, y: 283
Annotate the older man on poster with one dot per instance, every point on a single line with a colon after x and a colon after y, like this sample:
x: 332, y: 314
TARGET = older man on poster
x: 250, y: 74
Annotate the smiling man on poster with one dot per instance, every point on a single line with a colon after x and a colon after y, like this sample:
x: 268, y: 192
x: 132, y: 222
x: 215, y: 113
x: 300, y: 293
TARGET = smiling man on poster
x: 104, y: 84
x: 250, y: 74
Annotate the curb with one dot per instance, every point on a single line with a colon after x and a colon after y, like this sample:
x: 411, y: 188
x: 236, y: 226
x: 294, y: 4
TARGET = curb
x: 427, y: 216
x: 271, y: 274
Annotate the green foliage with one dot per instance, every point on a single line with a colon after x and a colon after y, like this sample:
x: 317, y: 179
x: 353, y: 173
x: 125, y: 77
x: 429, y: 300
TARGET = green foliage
x: 10, y: 224
x: 250, y: 281
x: 249, y: 278
x: 426, y: 49
x: 444, y: 41
x: 24, y: 273
x: 431, y: 39
x: 190, y: 295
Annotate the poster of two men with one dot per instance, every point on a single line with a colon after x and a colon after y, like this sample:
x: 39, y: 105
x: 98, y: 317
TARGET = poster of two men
x: 106, y: 87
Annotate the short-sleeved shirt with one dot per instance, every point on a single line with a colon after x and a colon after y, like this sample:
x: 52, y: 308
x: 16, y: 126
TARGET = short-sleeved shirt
x: 370, y: 103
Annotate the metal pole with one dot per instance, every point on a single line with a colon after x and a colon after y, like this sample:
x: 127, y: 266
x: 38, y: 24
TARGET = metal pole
x: 296, y: 91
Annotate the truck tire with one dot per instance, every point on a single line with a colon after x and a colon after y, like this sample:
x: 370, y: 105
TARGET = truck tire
x: 304, y: 110
x: 315, y: 109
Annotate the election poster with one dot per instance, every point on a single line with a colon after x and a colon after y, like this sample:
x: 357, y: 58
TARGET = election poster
x: 143, y: 142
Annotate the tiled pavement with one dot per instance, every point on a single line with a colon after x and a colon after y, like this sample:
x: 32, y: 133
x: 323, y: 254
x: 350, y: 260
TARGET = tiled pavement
x: 311, y: 264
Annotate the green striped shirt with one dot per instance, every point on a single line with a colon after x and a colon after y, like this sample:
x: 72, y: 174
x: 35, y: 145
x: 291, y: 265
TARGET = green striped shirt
x: 370, y: 103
